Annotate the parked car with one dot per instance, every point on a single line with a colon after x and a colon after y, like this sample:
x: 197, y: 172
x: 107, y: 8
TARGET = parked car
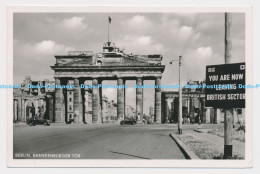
x: 150, y: 121
x: 37, y: 120
x: 128, y: 121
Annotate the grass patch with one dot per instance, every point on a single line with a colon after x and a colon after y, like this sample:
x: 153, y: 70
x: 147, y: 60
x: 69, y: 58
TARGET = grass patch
x: 233, y: 157
x: 236, y: 136
x: 203, y: 149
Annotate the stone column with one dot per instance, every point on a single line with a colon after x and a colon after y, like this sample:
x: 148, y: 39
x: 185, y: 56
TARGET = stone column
x: 157, y: 101
x: 88, y: 119
x: 208, y: 112
x: 58, y: 102
x: 192, y: 119
x: 172, y: 110
x: 120, y: 99
x: 125, y: 111
x: 208, y: 115
x: 77, y: 102
x: 176, y: 109
x: 39, y: 89
x: 100, y: 113
x: 22, y: 111
x: 50, y: 106
x: 188, y: 105
x: 203, y: 110
x: 95, y: 101
x: 166, y: 111
x: 139, y: 100
x: 19, y: 115
x: 215, y: 118
x: 104, y: 107
x: 235, y: 115
x: 212, y: 112
x: 41, y: 102
x: 36, y: 107
x: 25, y: 110
x: 15, y: 110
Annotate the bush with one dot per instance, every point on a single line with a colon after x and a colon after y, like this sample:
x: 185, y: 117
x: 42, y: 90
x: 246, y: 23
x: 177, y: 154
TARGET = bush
x: 222, y: 157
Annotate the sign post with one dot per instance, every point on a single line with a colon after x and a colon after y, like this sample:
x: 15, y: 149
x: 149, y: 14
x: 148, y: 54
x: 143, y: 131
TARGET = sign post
x: 230, y: 77
x: 228, y: 116
x: 228, y: 89
x: 225, y: 89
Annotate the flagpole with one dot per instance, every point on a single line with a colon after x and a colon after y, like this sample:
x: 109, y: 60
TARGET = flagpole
x: 108, y: 28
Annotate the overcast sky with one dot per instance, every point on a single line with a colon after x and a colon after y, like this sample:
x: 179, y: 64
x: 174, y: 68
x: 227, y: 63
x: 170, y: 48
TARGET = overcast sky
x: 40, y: 36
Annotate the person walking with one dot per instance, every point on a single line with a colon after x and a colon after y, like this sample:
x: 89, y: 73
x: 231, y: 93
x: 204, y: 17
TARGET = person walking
x: 241, y: 125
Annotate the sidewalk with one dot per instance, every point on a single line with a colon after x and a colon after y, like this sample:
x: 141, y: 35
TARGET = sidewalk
x: 238, y: 147
x: 205, y: 145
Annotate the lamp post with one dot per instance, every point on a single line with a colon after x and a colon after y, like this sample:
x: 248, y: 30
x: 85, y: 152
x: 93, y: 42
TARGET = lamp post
x: 180, y: 97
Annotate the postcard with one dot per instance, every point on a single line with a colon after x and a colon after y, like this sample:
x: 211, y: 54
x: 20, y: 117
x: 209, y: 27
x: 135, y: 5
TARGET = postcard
x: 129, y: 86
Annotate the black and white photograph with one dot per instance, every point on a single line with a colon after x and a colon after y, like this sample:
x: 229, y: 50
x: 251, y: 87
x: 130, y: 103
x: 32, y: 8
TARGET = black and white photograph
x: 130, y: 87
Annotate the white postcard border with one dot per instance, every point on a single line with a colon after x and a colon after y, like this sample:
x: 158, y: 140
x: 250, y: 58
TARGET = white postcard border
x: 248, y: 162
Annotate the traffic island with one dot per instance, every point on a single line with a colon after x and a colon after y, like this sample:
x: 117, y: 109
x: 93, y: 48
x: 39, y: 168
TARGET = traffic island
x: 238, y: 135
x: 188, y: 153
x: 201, y: 145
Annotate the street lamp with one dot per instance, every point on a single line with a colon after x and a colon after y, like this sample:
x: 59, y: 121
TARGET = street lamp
x: 180, y: 97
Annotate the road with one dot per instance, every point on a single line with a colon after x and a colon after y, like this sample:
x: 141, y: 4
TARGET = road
x: 96, y: 141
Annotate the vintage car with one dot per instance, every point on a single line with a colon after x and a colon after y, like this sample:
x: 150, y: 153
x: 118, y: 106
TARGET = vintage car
x: 131, y: 121
x: 37, y: 120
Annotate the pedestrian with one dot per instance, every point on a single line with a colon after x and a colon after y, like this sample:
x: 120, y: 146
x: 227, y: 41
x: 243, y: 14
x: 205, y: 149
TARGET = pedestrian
x: 199, y: 122
x: 241, y: 126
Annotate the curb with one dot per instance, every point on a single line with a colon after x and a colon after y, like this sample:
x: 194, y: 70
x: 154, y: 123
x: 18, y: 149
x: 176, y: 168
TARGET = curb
x: 185, y: 150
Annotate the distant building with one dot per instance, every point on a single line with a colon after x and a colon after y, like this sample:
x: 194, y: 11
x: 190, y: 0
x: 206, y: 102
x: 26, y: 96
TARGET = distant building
x: 192, y: 83
x: 193, y: 106
x: 151, y: 111
x: 109, y: 110
x: 31, y: 100
x: 130, y: 112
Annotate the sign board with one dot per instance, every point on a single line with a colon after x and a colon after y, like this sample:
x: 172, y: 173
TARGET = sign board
x: 225, y: 86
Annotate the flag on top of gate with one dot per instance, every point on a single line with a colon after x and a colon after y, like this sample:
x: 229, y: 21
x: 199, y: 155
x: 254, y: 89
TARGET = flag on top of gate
x: 109, y: 19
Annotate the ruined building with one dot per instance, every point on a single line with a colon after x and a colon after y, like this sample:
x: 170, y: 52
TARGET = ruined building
x: 30, y: 101
x: 193, y: 106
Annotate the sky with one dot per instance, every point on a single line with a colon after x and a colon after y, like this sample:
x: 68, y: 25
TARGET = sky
x: 40, y: 36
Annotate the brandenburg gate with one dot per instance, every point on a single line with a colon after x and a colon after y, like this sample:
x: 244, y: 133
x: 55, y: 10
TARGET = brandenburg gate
x: 78, y: 67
